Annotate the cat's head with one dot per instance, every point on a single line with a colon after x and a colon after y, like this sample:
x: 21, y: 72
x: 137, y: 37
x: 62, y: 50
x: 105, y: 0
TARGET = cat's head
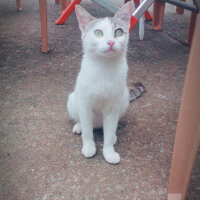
x: 106, y: 37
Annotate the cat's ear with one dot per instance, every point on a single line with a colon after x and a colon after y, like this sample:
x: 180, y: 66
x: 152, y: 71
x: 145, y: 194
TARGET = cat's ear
x: 125, y: 12
x: 84, y: 18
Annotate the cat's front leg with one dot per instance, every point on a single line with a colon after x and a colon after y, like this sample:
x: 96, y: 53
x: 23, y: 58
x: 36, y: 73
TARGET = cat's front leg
x: 86, y: 121
x: 110, y: 122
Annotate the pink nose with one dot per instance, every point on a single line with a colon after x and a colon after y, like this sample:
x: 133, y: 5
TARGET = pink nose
x: 110, y: 43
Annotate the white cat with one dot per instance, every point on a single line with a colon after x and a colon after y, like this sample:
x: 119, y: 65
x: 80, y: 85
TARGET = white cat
x: 101, y: 95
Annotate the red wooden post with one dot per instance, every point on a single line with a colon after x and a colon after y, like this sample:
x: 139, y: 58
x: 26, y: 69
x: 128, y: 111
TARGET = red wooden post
x: 67, y: 12
x: 57, y: 1
x: 188, y: 128
x: 180, y: 10
x: 62, y: 5
x: 191, y: 27
x: 43, y: 22
x: 18, y: 5
x: 158, y: 13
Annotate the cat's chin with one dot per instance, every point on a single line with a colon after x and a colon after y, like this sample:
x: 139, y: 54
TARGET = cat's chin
x: 110, y: 54
x: 110, y: 51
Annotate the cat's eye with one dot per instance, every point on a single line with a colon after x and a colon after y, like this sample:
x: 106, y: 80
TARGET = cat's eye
x: 118, y: 32
x: 98, y: 33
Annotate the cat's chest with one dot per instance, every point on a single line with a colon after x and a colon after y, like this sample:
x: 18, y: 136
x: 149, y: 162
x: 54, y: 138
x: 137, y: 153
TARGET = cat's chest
x: 106, y: 86
x: 102, y: 81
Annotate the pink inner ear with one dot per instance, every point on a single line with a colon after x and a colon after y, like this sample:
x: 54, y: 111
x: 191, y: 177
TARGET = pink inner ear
x: 84, y: 18
x: 82, y: 23
x: 125, y: 12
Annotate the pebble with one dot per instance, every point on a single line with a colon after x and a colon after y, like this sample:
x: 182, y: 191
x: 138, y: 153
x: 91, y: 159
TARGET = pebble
x: 198, y: 188
x: 137, y: 185
x: 52, y: 178
x: 145, y: 146
x: 108, y: 188
x: 161, y: 96
x: 79, y: 191
x: 8, y: 87
x: 97, y: 190
x: 129, y: 153
x: 162, y: 150
x: 119, y: 187
x: 76, y: 145
x: 198, y: 153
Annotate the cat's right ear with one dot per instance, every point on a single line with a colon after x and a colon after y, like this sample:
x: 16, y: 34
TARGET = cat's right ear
x: 84, y: 18
x: 125, y: 13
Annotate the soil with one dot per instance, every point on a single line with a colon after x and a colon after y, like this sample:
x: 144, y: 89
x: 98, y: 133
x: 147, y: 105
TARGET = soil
x: 40, y: 157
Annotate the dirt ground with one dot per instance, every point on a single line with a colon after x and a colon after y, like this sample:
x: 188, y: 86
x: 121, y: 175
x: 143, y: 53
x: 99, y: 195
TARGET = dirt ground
x: 40, y: 157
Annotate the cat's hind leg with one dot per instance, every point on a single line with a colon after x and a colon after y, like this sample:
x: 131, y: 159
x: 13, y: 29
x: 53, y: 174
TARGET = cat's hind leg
x: 73, y: 112
x: 124, y: 103
x: 77, y: 128
x: 72, y: 107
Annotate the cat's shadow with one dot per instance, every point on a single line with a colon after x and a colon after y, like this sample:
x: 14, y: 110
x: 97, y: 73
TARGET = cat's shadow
x: 98, y: 133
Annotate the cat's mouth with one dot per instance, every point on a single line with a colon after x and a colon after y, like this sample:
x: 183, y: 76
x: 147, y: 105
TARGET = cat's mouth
x: 110, y: 50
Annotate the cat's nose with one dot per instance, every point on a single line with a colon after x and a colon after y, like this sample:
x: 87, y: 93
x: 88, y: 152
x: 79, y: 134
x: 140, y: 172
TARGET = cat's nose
x: 110, y: 43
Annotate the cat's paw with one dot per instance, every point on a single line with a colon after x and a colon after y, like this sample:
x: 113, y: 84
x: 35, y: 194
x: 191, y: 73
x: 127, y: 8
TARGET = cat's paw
x: 114, y: 139
x: 89, y: 150
x: 77, y: 128
x: 111, y: 157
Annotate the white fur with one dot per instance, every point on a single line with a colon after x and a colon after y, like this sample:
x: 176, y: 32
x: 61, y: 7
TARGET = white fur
x: 100, y: 96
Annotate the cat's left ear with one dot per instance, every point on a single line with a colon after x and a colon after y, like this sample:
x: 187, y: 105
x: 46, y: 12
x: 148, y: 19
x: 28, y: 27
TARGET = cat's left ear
x: 84, y: 18
x: 125, y: 12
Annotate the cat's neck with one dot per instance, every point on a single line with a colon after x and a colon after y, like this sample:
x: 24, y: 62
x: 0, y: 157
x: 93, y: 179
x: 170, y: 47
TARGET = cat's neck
x: 103, y: 65
x: 105, y: 60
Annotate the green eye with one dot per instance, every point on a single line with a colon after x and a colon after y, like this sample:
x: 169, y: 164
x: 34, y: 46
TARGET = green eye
x: 98, y: 33
x: 118, y: 32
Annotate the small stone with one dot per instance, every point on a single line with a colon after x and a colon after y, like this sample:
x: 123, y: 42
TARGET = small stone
x: 76, y: 145
x: 149, y: 156
x: 145, y: 146
x: 97, y: 190
x: 125, y: 197
x: 79, y: 191
x: 119, y: 187
x: 161, y: 96
x: 7, y: 103
x: 162, y: 150
x: 52, y: 178
x: 198, y: 188
x: 137, y: 185
x: 8, y: 87
x: 6, y: 67
x: 108, y: 188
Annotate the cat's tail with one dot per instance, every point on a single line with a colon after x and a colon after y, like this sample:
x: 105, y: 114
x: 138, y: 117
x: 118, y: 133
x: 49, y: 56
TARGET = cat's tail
x: 72, y: 107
